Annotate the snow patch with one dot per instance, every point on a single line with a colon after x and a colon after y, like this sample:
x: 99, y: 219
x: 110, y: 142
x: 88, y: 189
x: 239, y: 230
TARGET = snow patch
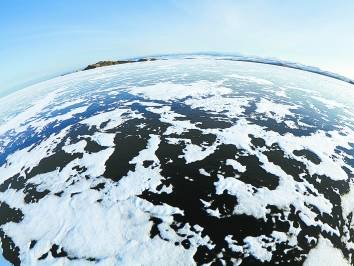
x: 167, y: 91
x: 251, y: 79
x: 274, y: 110
x: 236, y: 165
x: 325, y: 254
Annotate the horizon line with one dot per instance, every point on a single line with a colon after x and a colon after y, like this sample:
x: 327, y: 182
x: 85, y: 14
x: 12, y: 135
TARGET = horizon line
x: 235, y: 56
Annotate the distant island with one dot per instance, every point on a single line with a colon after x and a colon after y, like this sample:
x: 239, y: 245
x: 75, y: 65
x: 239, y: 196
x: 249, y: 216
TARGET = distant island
x: 118, y: 62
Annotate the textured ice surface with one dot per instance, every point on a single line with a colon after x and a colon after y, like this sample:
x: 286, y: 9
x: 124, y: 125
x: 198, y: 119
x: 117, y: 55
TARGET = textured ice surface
x: 178, y: 162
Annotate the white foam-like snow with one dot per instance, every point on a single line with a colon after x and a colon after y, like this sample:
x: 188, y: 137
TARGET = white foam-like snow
x: 348, y: 209
x: 257, y: 248
x: 236, y: 165
x: 142, y: 178
x: 29, y: 157
x: 203, y: 172
x: 274, y: 110
x: 290, y: 124
x: 114, y: 118
x: 64, y: 221
x: 322, y: 143
x: 170, y: 117
x: 166, y: 91
x: 262, y: 247
x: 17, y: 122
x: 233, y: 245
x: 232, y: 107
x: 325, y: 254
x: 193, y: 153
x: 39, y: 124
x: 57, y: 180
x: 348, y: 202
x: 103, y: 139
x: 251, y: 79
x: 254, y: 201
x: 76, y: 147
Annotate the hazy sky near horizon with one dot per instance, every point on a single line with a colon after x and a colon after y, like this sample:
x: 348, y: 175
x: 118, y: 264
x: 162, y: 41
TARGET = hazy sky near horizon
x: 43, y: 38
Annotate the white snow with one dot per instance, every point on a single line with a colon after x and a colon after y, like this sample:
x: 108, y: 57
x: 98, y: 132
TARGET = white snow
x: 257, y: 248
x: 232, y: 107
x: 348, y: 208
x: 166, y: 91
x: 114, y: 118
x: 290, y: 124
x: 274, y: 110
x: 40, y: 123
x: 251, y: 79
x: 348, y: 202
x: 141, y: 178
x: 22, y: 160
x: 236, y: 165
x: 170, y: 117
x: 77, y: 147
x: 34, y: 109
x: 193, y: 153
x: 253, y: 201
x: 103, y: 139
x: 203, y: 172
x: 64, y: 221
x: 262, y: 247
x: 233, y: 245
x: 325, y: 254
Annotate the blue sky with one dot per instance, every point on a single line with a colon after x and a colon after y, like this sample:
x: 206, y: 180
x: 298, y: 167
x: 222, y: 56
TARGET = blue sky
x: 44, y: 38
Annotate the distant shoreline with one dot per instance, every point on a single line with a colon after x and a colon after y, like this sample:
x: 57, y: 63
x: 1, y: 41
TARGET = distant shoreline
x: 239, y: 58
x: 217, y: 56
x: 302, y: 67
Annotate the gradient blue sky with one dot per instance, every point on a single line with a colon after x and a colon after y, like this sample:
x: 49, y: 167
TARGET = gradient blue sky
x: 44, y: 38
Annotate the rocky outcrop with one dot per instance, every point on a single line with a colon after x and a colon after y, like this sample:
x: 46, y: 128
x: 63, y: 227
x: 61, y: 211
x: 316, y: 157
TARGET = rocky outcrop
x: 118, y: 62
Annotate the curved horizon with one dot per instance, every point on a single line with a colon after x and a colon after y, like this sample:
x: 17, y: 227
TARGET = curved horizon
x: 226, y: 55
